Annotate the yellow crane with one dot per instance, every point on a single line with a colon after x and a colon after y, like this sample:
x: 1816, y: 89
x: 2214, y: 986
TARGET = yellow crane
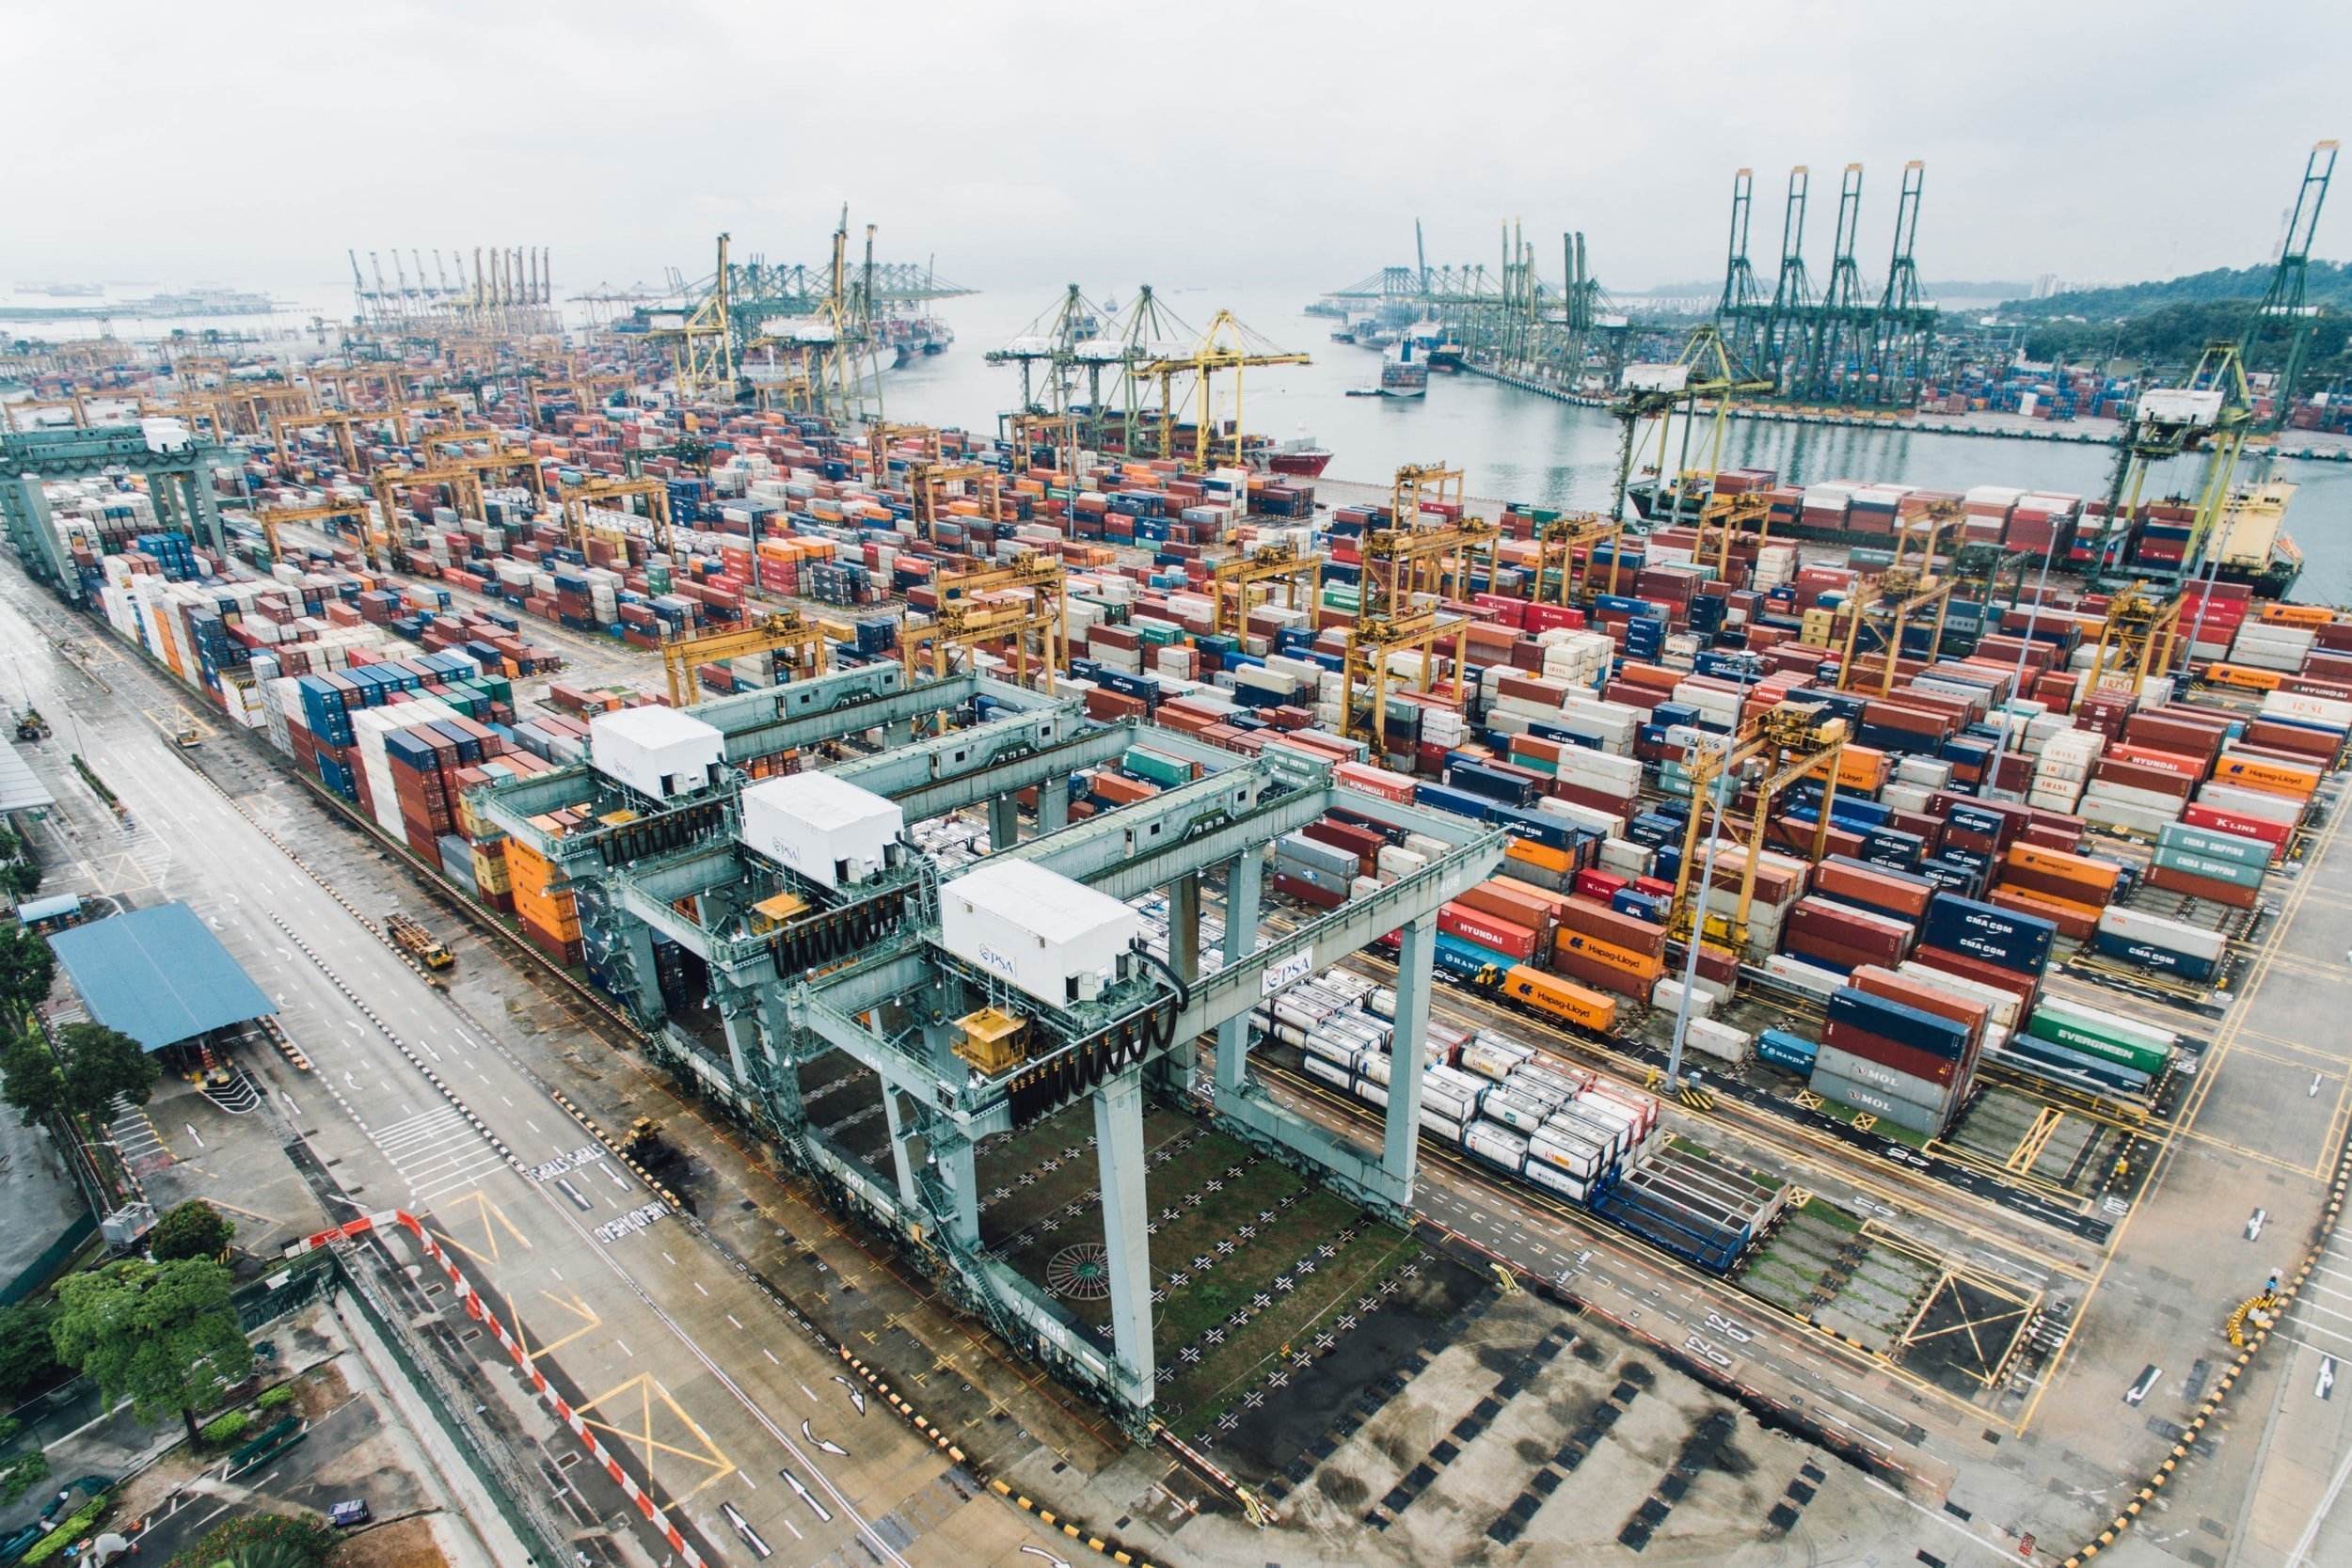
x: 785, y: 631
x: 463, y: 480
x: 1906, y: 592
x: 270, y: 519
x: 880, y: 439
x: 1556, y: 543
x: 1023, y: 604
x: 585, y: 390
x: 2136, y: 640
x: 577, y: 499
x: 1276, y: 563
x: 700, y: 337
x: 1770, y: 755
x: 929, y: 489
x: 1227, y: 345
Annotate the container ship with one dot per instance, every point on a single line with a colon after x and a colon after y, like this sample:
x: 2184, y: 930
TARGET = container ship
x: 1404, y: 372
x: 2250, y: 544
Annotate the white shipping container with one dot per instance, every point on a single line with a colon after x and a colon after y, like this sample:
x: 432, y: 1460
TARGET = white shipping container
x: 1719, y: 1041
x: 2177, y: 936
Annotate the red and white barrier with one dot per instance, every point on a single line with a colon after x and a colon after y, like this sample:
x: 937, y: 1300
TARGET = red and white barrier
x: 481, y: 1314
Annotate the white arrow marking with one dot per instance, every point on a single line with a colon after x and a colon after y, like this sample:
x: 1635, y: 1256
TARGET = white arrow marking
x: 2326, y: 1376
x: 833, y: 1448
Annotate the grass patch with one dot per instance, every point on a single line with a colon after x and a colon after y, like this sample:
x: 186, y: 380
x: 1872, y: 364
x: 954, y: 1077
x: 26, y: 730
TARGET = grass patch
x: 1225, y: 1376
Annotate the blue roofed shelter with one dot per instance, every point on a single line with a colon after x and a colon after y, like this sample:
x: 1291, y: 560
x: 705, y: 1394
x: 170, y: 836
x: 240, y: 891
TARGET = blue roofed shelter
x: 158, y: 975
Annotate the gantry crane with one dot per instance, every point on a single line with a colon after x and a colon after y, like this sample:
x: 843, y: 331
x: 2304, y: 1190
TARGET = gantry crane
x: 270, y: 519
x: 700, y: 337
x: 577, y: 499
x: 336, y: 420
x: 929, y: 489
x: 1023, y: 600
x: 1557, y: 541
x: 462, y: 480
x: 2213, y: 414
x: 1424, y: 489
x: 11, y: 412
x: 2281, y: 312
x: 1905, y: 592
x: 1279, y: 562
x: 1227, y: 345
x: 807, y: 643
x: 583, y: 389
x: 882, y: 438
x: 1772, y: 754
x: 1724, y: 521
x: 1705, y: 369
x: 2137, y: 640
x: 201, y: 406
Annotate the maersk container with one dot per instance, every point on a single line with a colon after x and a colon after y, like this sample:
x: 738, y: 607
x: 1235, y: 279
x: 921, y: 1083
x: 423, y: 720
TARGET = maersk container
x: 1905, y: 1025
x: 1793, y: 1052
x: 1497, y: 1147
x: 1998, y: 936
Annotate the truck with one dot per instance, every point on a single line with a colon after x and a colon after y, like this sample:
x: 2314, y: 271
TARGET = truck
x: 409, y: 935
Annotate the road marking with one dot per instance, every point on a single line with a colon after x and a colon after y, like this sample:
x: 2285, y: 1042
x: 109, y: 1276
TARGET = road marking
x: 625, y: 1350
x: 2326, y: 1381
x: 2146, y: 1385
x: 2254, y: 1225
x: 191, y: 1127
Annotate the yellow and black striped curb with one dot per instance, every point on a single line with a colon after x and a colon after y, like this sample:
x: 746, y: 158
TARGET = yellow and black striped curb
x: 588, y: 1124
x: 2164, y: 1472
x: 940, y: 1440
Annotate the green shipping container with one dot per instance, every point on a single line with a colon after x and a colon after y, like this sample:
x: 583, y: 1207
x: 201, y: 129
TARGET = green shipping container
x: 1159, y: 769
x: 2220, y: 847
x: 2207, y: 865
x: 2046, y: 1025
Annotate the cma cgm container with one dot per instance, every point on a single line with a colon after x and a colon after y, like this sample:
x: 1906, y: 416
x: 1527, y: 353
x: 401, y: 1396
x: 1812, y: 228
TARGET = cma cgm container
x: 2005, y: 938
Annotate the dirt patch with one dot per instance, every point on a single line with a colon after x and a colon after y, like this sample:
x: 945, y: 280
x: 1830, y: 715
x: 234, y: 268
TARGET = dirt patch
x: 1344, y: 1489
x: 403, y: 1543
x: 320, y: 1391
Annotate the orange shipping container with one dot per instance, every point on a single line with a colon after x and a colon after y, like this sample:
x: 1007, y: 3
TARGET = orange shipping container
x: 1637, y: 966
x: 2096, y: 876
x: 2271, y: 778
x: 1543, y: 857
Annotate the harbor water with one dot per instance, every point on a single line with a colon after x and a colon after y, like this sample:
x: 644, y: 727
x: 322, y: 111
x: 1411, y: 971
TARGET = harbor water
x: 1519, y: 446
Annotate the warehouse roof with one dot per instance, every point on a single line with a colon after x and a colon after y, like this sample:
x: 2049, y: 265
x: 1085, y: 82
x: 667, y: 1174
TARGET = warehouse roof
x: 158, y: 975
x: 19, y: 789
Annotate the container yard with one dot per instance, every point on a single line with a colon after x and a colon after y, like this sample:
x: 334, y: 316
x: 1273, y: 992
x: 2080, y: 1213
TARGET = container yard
x: 1224, y: 931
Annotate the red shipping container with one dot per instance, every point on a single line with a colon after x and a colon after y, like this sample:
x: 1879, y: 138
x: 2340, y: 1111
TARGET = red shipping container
x: 1603, y: 885
x: 1458, y: 919
x: 1513, y: 902
x: 1908, y: 1059
x: 1630, y: 932
x: 1884, y: 890
x: 2214, y: 819
x: 2211, y: 888
x: 2022, y: 987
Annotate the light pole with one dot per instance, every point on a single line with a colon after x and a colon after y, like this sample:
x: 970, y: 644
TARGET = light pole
x: 1707, y: 881
x: 2033, y: 618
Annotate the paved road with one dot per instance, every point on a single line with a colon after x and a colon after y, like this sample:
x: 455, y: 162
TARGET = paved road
x: 694, y: 1377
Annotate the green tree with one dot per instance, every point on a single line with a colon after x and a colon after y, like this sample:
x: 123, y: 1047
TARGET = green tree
x: 30, y: 1079
x: 27, y: 969
x: 194, y: 1229
x: 163, y: 1335
x: 100, y: 1064
x: 263, y: 1541
x: 28, y: 1359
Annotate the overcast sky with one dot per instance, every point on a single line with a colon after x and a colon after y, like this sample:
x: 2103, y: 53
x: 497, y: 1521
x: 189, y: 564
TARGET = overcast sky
x: 1203, y: 142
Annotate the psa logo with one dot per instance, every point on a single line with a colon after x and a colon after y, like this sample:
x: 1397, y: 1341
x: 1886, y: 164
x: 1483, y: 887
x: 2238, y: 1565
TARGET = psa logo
x: 1001, y: 963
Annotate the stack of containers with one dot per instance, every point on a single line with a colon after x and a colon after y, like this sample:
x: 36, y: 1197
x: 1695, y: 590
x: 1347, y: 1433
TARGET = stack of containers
x: 2065, y: 889
x: 1607, y: 949
x: 2167, y: 946
x: 2268, y: 644
x: 1314, y: 872
x: 1884, y: 1051
x: 2001, y: 948
x: 2103, y: 1049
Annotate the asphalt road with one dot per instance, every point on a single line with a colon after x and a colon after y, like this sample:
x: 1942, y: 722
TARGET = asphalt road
x: 698, y: 1384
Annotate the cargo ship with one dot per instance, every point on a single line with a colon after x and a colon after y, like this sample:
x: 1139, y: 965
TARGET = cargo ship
x: 2251, y: 546
x: 1403, y: 374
